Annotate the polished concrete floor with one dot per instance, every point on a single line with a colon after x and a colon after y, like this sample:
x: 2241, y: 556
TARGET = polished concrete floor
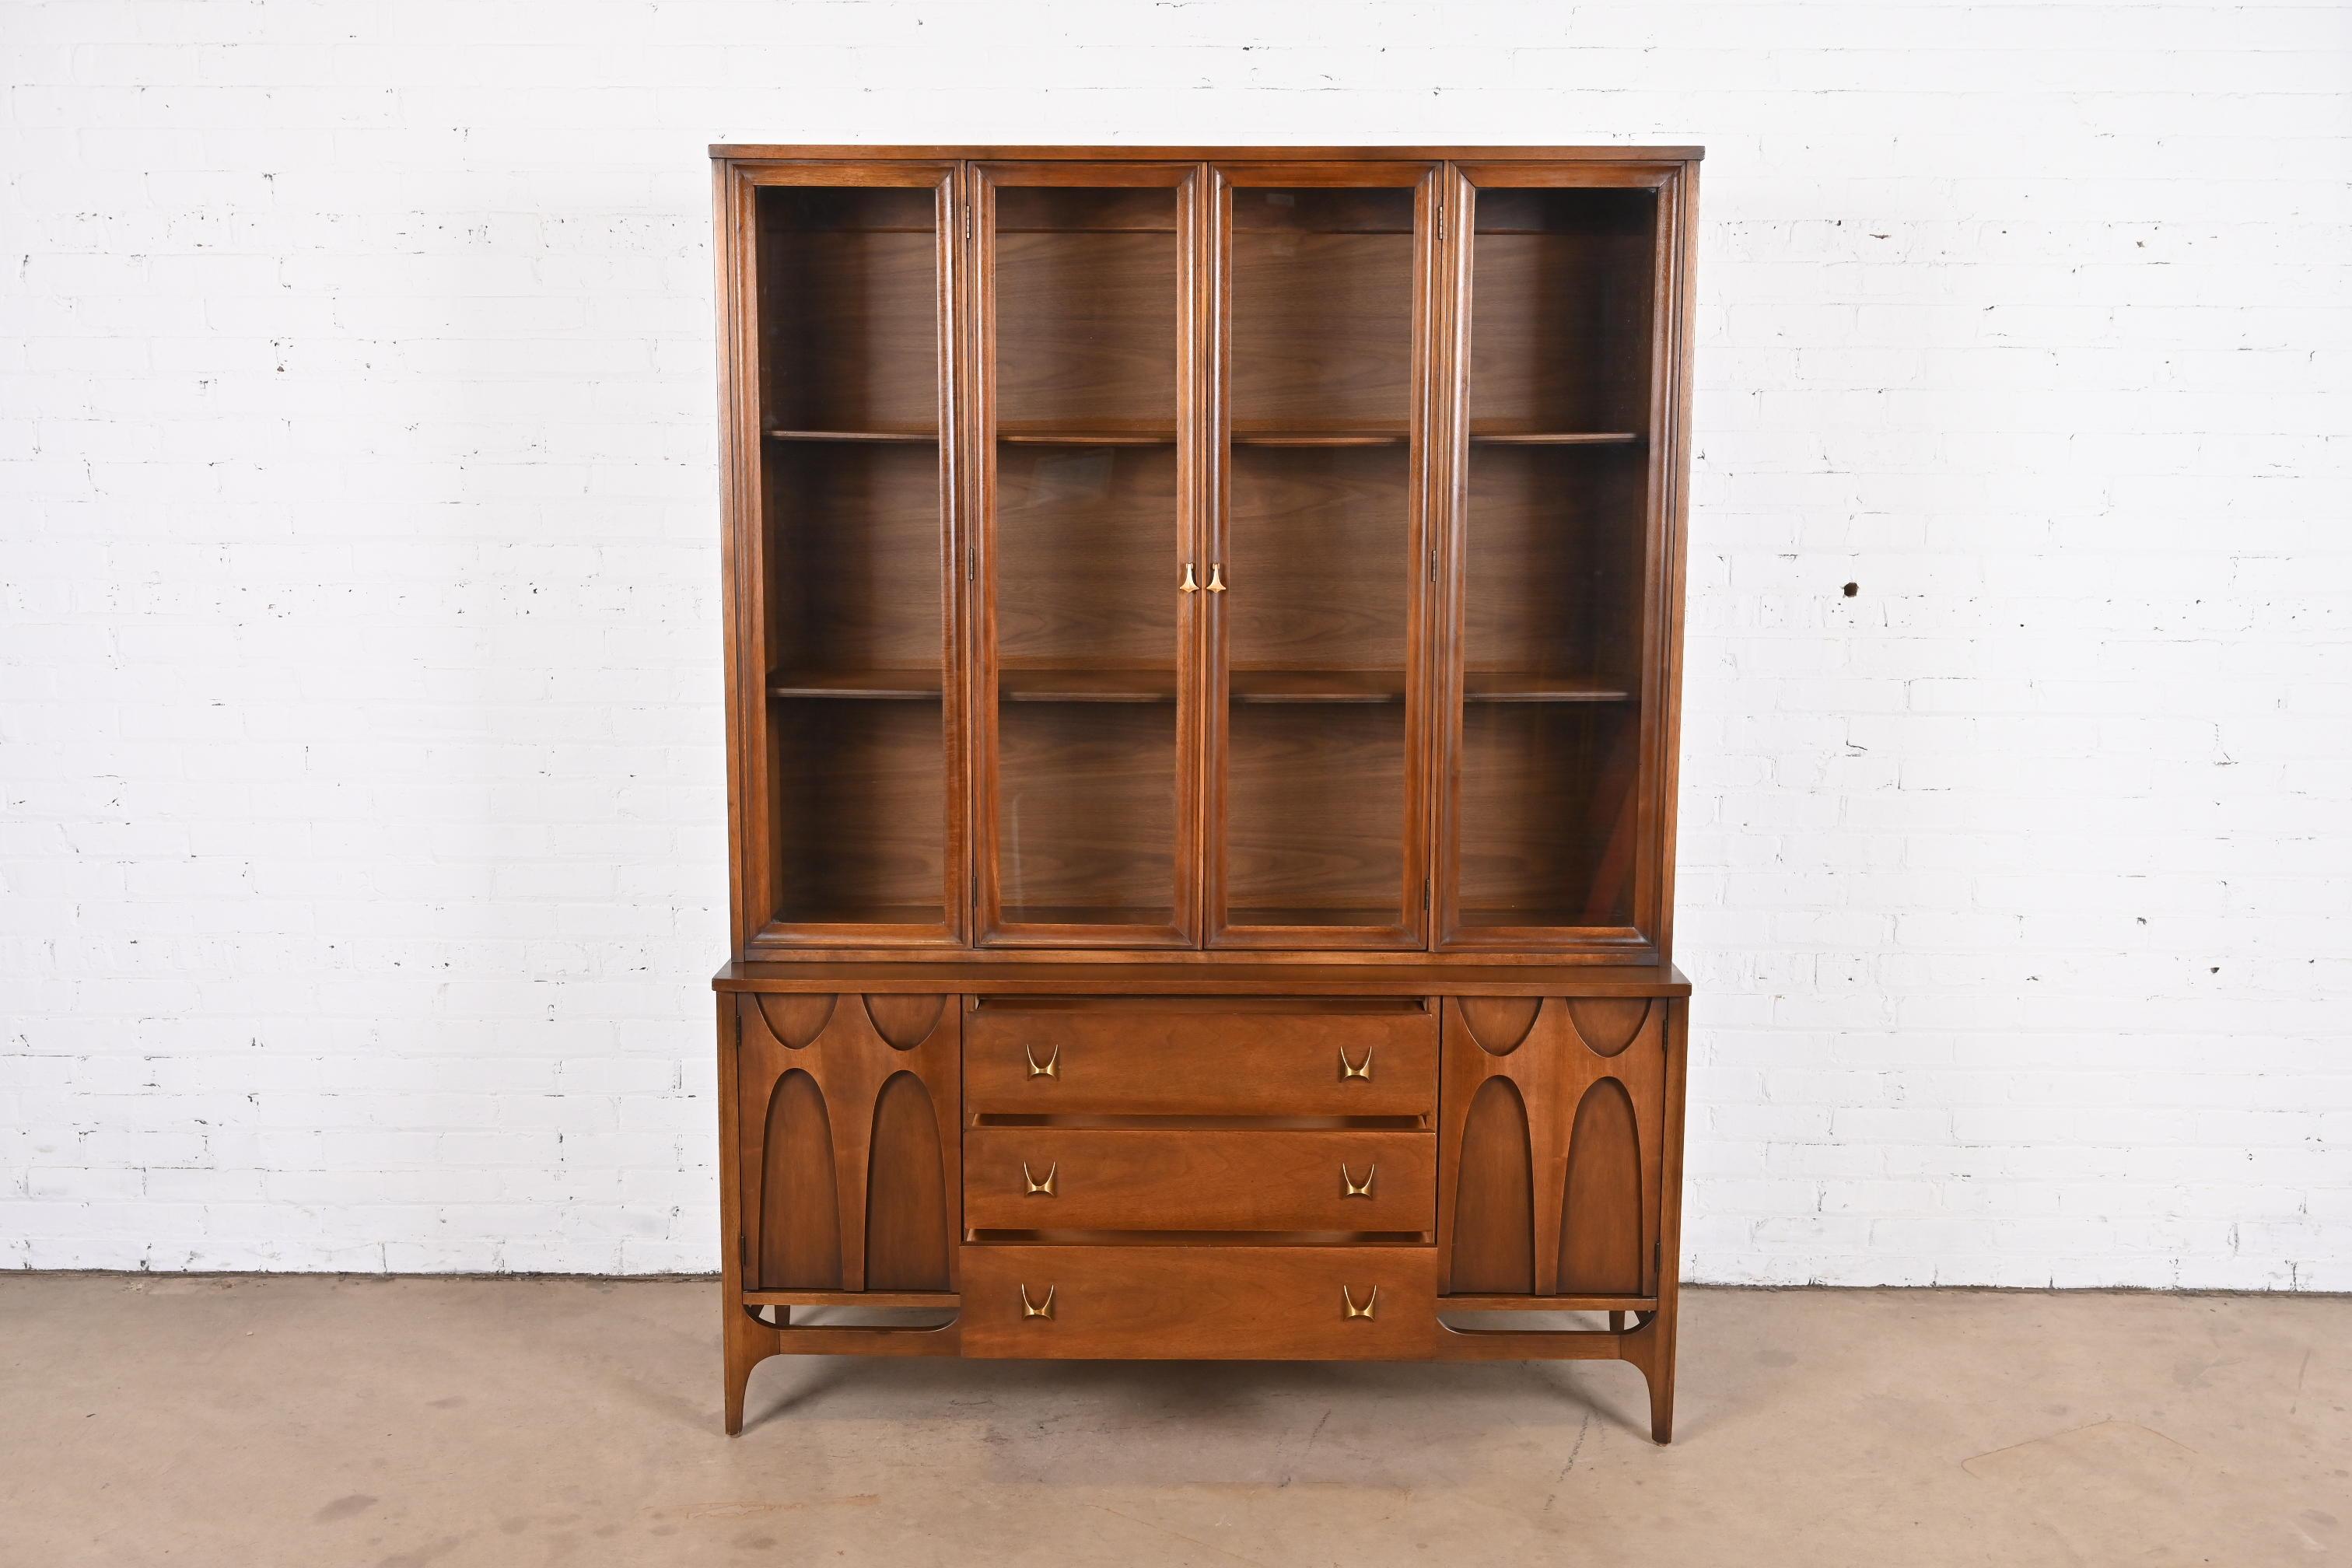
x: 395, y: 1424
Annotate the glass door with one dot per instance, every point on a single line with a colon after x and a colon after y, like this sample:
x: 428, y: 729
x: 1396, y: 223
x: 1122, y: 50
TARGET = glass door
x: 1558, y: 450
x: 1088, y: 575
x: 848, y: 601
x: 1319, y: 556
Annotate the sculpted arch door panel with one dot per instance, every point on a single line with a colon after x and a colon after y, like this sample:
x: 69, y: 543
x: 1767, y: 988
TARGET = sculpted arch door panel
x: 847, y: 1110
x: 1572, y: 1173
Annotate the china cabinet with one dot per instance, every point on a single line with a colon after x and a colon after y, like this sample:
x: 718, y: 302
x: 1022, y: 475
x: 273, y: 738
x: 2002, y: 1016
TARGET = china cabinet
x: 1202, y: 674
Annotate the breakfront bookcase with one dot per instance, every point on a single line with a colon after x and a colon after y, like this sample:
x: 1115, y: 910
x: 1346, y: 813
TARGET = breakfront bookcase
x: 1203, y: 668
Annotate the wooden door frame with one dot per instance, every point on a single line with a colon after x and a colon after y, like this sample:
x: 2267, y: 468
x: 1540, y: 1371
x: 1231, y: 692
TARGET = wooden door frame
x: 751, y: 896
x: 1649, y: 938
x: 984, y: 179
x: 1424, y: 178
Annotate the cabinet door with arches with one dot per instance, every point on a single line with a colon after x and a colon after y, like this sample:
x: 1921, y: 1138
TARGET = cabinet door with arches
x: 848, y: 1153
x: 1555, y: 1146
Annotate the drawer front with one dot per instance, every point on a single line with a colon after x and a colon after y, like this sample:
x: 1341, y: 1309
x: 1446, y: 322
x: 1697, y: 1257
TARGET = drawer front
x: 1232, y: 1303
x: 1226, y: 1058
x: 1071, y: 1178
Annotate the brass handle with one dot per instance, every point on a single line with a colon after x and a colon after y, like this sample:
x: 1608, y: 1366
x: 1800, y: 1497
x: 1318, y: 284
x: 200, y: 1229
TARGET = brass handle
x: 1036, y: 1187
x: 1053, y: 1068
x: 1347, y: 1297
x: 1045, y: 1309
x: 1216, y: 577
x: 1349, y: 1070
x: 1348, y: 1182
x: 1188, y: 585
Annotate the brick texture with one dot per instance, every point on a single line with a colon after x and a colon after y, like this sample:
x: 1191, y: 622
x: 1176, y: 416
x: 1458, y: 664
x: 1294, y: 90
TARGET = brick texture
x: 361, y: 840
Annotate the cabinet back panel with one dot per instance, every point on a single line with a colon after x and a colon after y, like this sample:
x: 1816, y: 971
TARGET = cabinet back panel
x: 1322, y: 308
x: 853, y: 556
x: 1315, y: 815
x: 848, y: 309
x: 1546, y: 814
x: 1087, y: 315
x: 861, y: 810
x: 1085, y: 555
x: 1319, y: 555
x: 1132, y: 209
x: 1087, y: 812
x: 1560, y: 310
x: 1552, y: 562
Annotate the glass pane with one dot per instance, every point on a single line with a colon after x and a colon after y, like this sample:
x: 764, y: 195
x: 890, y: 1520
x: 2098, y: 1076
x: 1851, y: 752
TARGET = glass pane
x: 1086, y: 554
x: 1555, y: 526
x: 854, y: 636
x: 1320, y: 563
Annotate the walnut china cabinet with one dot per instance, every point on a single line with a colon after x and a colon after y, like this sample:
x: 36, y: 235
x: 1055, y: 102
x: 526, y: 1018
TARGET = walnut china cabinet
x: 1204, y: 636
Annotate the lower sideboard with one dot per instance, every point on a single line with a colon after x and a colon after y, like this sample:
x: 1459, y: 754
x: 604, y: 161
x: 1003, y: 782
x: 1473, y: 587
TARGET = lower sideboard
x: 1460, y: 1176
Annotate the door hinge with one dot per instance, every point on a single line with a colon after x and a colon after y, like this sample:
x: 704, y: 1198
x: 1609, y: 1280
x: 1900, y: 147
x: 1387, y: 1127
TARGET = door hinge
x: 967, y: 223
x: 1425, y: 895
x: 1441, y: 223
x: 1433, y: 565
x: 743, y: 1252
x: 972, y: 566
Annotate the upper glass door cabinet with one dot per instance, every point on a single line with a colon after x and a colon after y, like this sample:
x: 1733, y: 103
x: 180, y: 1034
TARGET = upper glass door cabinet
x: 852, y: 776
x: 1319, y: 555
x: 1087, y: 439
x: 1558, y: 452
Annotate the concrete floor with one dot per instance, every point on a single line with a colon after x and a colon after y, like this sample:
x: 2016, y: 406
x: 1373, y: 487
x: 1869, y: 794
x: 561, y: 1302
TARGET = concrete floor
x: 323, y: 1422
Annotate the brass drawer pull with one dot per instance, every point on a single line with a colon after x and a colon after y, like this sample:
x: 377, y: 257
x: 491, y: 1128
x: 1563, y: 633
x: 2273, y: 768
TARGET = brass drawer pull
x: 1188, y: 585
x: 1349, y: 1070
x: 1348, y: 1181
x: 1053, y: 1068
x: 1035, y: 1187
x: 1045, y: 1309
x: 1216, y: 577
x: 1347, y: 1297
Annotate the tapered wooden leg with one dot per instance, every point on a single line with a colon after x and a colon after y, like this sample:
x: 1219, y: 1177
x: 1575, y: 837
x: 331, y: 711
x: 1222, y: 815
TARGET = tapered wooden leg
x: 1650, y: 1347
x: 1661, y: 1402
x: 740, y: 1358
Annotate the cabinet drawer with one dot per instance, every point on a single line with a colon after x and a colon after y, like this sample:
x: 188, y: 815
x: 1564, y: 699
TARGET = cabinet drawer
x: 1233, y: 1303
x: 1070, y: 1178
x: 1237, y: 1058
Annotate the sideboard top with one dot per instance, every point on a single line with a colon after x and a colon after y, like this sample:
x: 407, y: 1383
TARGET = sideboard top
x: 765, y: 152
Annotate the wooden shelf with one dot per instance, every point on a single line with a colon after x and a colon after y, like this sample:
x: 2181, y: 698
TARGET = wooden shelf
x: 853, y: 911
x: 915, y: 684
x: 1108, y: 434
x: 1147, y: 916
x: 1526, y: 686
x: 1358, y: 435
x: 1555, y: 438
x: 1386, y: 917
x: 914, y: 438
x: 1317, y: 685
x: 1120, y: 685
x: 1096, y: 684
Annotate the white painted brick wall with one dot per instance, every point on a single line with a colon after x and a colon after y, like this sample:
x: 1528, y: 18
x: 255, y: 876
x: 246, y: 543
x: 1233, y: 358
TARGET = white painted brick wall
x: 361, y: 851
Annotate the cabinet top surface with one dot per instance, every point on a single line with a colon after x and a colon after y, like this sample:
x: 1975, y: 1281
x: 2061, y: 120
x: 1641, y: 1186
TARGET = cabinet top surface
x: 769, y: 150
x: 1138, y: 976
